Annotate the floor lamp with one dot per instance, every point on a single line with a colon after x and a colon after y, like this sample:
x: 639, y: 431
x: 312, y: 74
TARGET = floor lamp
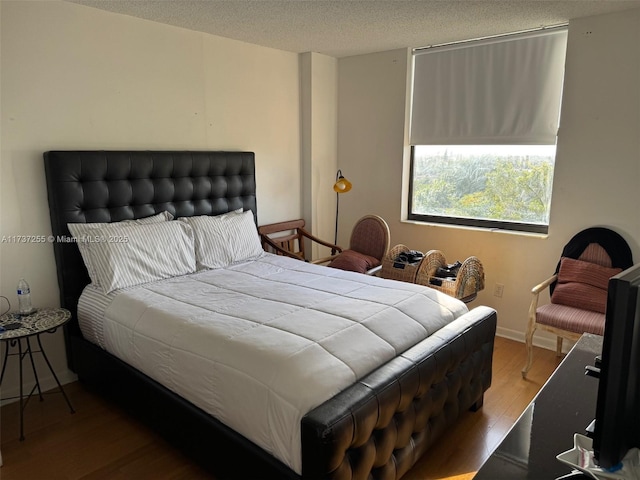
x: 342, y: 185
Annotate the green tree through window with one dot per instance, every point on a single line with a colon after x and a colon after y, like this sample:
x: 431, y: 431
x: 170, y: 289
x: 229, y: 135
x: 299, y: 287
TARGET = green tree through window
x: 501, y: 183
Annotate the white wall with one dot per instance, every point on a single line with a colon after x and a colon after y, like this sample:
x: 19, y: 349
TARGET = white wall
x: 319, y: 96
x: 73, y: 77
x: 597, y: 169
x: 371, y: 136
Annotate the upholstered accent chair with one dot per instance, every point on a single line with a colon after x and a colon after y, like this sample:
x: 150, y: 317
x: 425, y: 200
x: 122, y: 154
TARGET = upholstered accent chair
x: 578, y: 288
x: 369, y: 243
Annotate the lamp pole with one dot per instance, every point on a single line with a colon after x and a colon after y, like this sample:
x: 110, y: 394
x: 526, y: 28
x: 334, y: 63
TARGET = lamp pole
x: 342, y: 185
x: 335, y: 240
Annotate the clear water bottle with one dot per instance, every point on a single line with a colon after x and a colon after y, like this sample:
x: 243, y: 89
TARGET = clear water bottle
x: 24, y: 297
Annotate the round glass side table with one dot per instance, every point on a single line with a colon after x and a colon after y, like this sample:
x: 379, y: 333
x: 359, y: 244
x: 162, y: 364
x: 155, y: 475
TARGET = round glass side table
x: 16, y: 331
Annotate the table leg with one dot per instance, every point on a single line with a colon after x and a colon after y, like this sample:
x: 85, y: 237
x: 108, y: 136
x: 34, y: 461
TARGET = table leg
x: 4, y: 366
x: 54, y: 375
x: 21, y: 393
x: 33, y: 367
x: 4, y: 363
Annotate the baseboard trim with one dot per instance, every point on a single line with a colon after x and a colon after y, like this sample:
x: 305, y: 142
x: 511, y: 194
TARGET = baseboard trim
x: 538, y: 340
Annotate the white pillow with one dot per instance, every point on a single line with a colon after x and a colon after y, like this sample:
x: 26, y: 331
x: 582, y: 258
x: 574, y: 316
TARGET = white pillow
x: 224, y: 239
x: 85, y: 236
x: 137, y: 254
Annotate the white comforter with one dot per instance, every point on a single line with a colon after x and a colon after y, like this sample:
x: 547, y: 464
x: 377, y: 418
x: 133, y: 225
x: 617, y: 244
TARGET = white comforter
x: 259, y: 344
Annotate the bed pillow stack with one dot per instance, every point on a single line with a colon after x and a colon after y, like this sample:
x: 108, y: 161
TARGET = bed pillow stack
x: 224, y: 239
x: 133, y: 252
x: 123, y: 254
x: 87, y: 235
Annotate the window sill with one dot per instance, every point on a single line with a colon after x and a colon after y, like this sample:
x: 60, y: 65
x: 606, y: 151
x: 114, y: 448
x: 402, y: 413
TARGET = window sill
x: 476, y: 229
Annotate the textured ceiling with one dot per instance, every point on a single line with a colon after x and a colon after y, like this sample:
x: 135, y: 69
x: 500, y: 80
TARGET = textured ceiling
x: 353, y: 27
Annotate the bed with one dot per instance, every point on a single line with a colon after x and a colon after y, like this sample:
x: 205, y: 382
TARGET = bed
x: 375, y: 426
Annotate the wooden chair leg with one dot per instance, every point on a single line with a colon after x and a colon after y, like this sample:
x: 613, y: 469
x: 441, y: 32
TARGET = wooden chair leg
x: 559, y: 346
x: 531, y: 328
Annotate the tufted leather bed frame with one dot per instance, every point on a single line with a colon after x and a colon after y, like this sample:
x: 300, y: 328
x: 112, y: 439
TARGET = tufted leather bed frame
x: 376, y: 429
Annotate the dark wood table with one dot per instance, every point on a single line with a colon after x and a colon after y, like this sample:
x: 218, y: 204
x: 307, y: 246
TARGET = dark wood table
x: 565, y: 405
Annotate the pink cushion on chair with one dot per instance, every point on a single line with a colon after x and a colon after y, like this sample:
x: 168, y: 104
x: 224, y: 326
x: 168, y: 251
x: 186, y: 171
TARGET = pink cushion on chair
x: 572, y: 270
x: 594, y: 253
x: 354, y: 262
x: 580, y: 295
x: 582, y: 285
x: 570, y: 319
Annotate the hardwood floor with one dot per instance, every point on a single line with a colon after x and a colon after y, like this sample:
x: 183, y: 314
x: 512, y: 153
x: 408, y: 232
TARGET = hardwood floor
x: 462, y: 451
x: 100, y: 441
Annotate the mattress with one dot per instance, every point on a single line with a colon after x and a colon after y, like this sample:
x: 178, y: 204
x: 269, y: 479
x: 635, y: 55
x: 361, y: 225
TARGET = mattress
x: 259, y: 344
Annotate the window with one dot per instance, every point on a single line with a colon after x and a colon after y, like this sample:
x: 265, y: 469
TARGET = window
x: 484, y: 121
x: 498, y: 186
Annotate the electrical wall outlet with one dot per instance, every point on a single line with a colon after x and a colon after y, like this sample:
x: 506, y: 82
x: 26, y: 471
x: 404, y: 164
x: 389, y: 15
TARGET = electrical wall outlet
x: 498, y: 290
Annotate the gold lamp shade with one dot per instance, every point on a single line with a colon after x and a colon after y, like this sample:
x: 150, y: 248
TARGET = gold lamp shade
x: 342, y: 185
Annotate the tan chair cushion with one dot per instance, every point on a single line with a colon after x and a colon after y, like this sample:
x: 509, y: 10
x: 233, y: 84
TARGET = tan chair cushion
x: 582, y: 285
x: 354, y: 262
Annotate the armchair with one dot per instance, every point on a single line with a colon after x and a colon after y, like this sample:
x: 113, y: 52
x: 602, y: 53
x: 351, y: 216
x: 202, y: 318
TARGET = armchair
x: 369, y: 243
x: 578, y: 288
x: 288, y: 239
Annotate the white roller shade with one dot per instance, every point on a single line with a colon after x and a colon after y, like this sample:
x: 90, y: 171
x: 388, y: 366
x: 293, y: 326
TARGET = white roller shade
x: 492, y: 92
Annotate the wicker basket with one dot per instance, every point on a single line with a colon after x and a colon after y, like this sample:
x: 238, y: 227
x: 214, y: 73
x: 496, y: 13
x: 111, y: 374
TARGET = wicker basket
x: 405, y: 272
x: 466, y: 285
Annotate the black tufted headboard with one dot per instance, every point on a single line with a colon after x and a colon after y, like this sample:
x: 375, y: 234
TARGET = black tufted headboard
x: 109, y: 186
